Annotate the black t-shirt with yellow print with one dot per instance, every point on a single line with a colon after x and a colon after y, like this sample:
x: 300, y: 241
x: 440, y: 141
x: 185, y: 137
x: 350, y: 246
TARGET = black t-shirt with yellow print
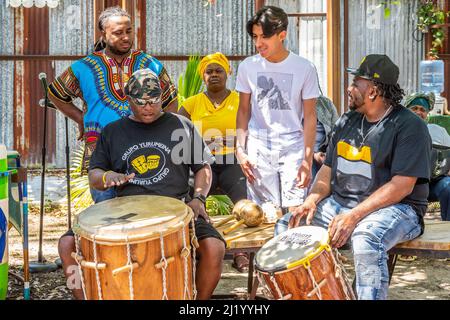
x: 399, y: 145
x: 160, y: 154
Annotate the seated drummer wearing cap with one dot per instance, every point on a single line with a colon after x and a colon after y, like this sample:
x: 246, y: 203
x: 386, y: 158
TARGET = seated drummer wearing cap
x: 373, y: 185
x: 421, y: 104
x: 150, y: 152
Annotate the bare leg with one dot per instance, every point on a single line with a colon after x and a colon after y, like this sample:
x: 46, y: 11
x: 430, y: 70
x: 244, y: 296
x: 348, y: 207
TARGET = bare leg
x: 209, y: 267
x: 66, y: 246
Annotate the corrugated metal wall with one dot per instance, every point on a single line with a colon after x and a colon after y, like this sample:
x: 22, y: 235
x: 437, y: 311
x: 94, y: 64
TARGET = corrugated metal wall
x: 307, y: 36
x: 180, y: 27
x: 71, y: 33
x: 6, y: 78
x: 172, y: 27
x: 369, y: 33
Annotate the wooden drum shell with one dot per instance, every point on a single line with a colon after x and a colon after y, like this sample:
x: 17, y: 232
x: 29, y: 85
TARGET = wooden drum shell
x: 147, y: 279
x: 297, y: 282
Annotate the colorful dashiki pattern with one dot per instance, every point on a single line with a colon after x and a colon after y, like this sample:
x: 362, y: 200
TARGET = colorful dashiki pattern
x: 99, y: 81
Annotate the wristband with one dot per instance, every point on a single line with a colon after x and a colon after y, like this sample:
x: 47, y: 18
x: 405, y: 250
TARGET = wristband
x: 104, y: 176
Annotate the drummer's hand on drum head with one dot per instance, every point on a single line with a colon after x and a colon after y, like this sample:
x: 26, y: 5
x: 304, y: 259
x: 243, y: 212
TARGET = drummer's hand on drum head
x: 114, y: 179
x: 308, y: 208
x: 199, y: 209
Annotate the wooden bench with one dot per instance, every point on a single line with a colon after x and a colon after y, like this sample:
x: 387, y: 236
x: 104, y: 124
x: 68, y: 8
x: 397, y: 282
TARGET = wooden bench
x: 433, y: 244
x: 245, y: 240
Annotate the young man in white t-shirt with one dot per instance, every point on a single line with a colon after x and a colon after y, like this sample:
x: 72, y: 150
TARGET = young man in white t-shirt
x: 276, y: 121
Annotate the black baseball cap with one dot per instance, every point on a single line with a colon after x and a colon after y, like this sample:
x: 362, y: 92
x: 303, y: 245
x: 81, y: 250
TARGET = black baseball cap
x: 377, y: 67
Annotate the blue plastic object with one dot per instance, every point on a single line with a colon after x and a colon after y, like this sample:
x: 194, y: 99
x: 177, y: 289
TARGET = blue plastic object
x: 431, y: 76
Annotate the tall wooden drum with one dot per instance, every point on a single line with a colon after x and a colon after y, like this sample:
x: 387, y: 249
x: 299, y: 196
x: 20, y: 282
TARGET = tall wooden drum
x: 299, y: 264
x: 136, y: 247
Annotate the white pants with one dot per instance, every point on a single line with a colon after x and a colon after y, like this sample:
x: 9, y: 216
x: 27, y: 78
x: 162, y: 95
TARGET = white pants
x: 275, y: 172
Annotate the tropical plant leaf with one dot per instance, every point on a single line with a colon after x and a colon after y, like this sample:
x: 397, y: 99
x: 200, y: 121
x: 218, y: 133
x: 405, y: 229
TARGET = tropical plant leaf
x: 79, y: 183
x: 218, y: 205
x: 190, y: 83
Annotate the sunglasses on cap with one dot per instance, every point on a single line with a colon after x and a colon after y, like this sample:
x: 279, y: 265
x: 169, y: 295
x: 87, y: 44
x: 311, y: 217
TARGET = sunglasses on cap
x: 143, y: 102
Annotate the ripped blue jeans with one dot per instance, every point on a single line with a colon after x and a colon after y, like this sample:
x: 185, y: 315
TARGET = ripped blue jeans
x: 372, y: 238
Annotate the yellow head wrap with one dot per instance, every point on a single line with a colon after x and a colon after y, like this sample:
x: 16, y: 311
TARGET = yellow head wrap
x: 218, y: 58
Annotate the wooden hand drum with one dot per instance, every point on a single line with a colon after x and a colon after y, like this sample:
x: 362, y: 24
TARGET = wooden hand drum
x: 299, y: 264
x: 136, y: 247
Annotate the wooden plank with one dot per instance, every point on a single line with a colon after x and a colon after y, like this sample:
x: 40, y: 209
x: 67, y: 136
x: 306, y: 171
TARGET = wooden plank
x: 99, y: 6
x: 245, y: 237
x: 334, y: 52
x: 346, y: 60
x: 259, y: 4
x: 435, y: 237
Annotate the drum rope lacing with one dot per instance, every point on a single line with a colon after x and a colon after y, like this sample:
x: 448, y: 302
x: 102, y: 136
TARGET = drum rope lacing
x: 130, y: 274
x: 280, y: 294
x: 97, y: 275
x: 315, y: 285
x: 194, y: 262
x: 80, y: 270
x: 264, y: 288
x: 185, y: 252
x: 163, y: 262
x: 341, y: 274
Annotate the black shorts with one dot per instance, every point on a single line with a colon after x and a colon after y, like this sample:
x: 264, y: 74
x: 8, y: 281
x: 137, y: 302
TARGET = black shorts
x: 203, y: 230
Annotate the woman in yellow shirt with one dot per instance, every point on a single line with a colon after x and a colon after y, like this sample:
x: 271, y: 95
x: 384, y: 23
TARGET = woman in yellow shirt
x: 213, y: 112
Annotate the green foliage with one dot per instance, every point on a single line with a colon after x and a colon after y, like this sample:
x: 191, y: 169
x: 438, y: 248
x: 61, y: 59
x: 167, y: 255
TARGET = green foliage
x: 190, y: 83
x: 430, y: 15
x: 387, y: 8
x: 218, y: 205
x: 79, y: 183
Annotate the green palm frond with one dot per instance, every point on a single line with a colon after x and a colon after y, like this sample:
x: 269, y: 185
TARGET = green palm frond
x: 189, y: 83
x: 219, y: 205
x: 79, y: 183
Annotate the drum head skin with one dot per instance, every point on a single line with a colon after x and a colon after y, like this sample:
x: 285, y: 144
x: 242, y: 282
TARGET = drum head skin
x: 294, y: 247
x: 132, y: 219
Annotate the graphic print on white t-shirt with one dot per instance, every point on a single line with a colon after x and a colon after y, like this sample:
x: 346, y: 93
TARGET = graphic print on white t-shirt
x: 274, y: 90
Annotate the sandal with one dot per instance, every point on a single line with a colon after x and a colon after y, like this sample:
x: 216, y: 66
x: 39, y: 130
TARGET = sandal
x: 240, y: 262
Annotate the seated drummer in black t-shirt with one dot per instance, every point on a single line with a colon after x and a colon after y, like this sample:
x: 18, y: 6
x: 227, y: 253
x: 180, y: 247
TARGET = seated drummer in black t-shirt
x: 151, y: 152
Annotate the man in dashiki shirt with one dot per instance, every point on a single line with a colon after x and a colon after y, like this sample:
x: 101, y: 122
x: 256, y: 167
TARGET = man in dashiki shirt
x: 99, y: 80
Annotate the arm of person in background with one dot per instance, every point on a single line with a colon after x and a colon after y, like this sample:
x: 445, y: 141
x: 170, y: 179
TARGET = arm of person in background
x: 169, y: 94
x: 61, y: 92
x: 172, y: 106
x: 182, y: 111
x: 70, y: 111
x: 202, y: 184
x: 187, y: 107
x: 309, y: 133
x: 242, y: 119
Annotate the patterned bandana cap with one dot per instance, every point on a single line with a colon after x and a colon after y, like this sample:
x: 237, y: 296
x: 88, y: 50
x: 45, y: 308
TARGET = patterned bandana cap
x: 416, y: 98
x: 218, y: 58
x: 144, y: 86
